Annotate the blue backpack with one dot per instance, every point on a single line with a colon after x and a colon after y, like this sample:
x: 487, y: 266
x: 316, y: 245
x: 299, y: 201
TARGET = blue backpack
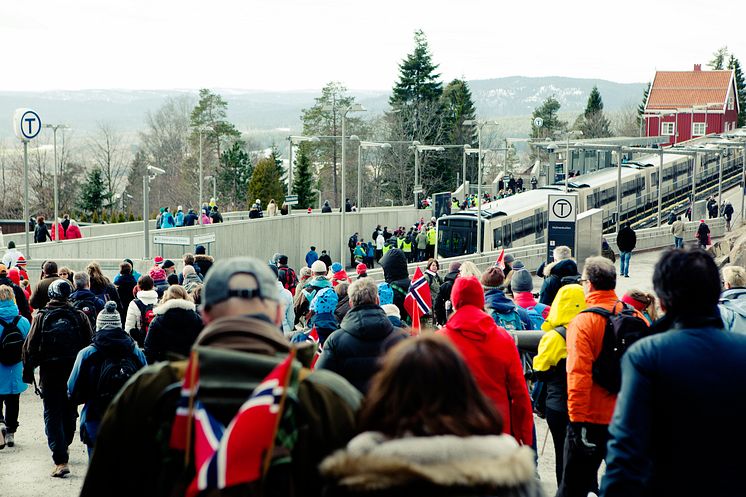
x: 536, y: 315
x: 511, y: 321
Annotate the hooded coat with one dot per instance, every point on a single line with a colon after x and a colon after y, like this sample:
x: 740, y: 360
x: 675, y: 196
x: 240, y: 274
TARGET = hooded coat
x: 20, y: 296
x: 396, y: 274
x: 495, y: 299
x: 354, y: 350
x: 173, y: 330
x: 444, y: 295
x: 553, y: 278
x: 492, y: 357
x: 732, y: 308
x: 11, y: 377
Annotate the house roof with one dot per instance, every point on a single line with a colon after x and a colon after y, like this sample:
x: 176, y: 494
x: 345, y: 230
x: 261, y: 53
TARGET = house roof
x: 682, y: 89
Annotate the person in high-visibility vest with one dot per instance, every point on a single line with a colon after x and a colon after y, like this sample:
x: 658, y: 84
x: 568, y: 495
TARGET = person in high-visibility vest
x: 431, y: 237
x: 406, y: 247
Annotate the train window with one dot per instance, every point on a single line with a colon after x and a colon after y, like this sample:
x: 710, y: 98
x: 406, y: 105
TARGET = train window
x: 507, y: 238
x: 497, y: 237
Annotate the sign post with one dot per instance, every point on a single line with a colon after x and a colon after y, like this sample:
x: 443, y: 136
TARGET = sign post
x: 27, y: 125
x: 291, y: 200
x: 562, y: 217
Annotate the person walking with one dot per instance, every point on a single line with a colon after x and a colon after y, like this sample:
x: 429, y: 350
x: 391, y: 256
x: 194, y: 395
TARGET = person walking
x: 140, y: 311
x: 19, y: 295
x: 677, y: 230
x: 57, y: 334
x: 12, y: 255
x: 563, y: 269
x: 676, y: 380
x: 14, y: 329
x: 174, y: 327
x: 443, y: 306
x: 41, y: 232
x: 125, y: 282
x: 101, y: 370
x: 179, y: 216
x: 364, y: 336
x: 311, y: 256
x: 239, y: 347
x: 549, y: 366
x: 421, y: 240
x: 703, y: 234
x: 83, y: 299
x: 40, y: 296
x: 626, y: 240
x: 728, y: 214
x: 492, y: 357
x: 427, y: 429
x: 272, y: 208
x: 102, y: 286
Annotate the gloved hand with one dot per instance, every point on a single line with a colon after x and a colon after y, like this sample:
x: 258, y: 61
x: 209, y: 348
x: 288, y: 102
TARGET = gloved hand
x: 581, y: 438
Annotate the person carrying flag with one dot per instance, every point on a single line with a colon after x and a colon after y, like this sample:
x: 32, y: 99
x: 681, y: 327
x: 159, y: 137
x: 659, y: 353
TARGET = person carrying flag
x: 239, y: 346
x: 363, y: 337
x: 418, y: 301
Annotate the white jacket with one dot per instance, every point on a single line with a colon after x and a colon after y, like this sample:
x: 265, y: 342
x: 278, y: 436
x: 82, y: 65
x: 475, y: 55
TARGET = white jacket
x: 288, y: 321
x: 133, y: 312
x: 11, y: 257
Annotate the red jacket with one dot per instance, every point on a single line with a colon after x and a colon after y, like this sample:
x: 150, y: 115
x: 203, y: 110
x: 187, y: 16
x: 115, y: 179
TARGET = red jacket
x: 57, y: 230
x: 73, y: 232
x: 493, y: 359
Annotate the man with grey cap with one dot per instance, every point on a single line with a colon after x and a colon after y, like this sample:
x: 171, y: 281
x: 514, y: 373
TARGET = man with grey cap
x: 239, y: 346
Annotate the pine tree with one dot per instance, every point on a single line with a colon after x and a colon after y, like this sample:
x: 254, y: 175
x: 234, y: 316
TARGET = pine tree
x: 234, y: 175
x: 718, y: 59
x: 549, y: 113
x: 211, y: 113
x: 592, y: 122
x: 418, y: 81
x: 735, y: 66
x: 458, y: 107
x: 265, y: 183
x: 92, y: 197
x: 641, y: 107
x: 138, y: 169
x: 303, y: 181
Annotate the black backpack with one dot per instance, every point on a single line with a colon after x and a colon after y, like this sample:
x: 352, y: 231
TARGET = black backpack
x: 60, y: 334
x: 288, y: 278
x: 623, y: 328
x: 114, y: 372
x: 88, y: 306
x: 11, y: 342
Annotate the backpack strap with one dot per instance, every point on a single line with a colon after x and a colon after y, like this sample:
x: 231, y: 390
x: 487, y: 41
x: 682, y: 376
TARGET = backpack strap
x: 562, y: 331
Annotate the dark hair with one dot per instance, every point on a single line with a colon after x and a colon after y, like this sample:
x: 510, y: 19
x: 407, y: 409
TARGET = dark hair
x: 49, y: 267
x: 125, y: 268
x: 313, y: 247
x: 40, y: 220
x: 430, y: 261
x: 173, y: 279
x: 424, y: 388
x: 145, y: 282
x: 341, y: 289
x: 189, y: 259
x: 687, y: 281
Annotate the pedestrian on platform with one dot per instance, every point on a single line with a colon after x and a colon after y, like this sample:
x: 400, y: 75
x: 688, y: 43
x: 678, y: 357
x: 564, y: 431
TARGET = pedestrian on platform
x: 311, y: 256
x: 174, y: 327
x: 626, y: 241
x: 677, y: 230
x: 140, y: 310
x: 563, y: 269
x: 272, y: 208
x: 326, y: 259
x: 40, y: 295
x: 676, y: 380
x: 728, y: 214
x: 55, y: 358
x: 421, y: 240
x: 14, y: 329
x: 202, y: 261
x: 703, y: 234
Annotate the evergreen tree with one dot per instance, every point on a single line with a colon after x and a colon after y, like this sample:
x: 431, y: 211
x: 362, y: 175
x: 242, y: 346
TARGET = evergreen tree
x: 735, y: 66
x: 641, y: 107
x: 303, y: 180
x: 210, y: 113
x: 592, y: 122
x: 92, y: 197
x: 458, y: 107
x: 718, y: 59
x: 138, y: 169
x: 235, y: 173
x: 265, y: 183
x: 418, y: 81
x: 549, y: 113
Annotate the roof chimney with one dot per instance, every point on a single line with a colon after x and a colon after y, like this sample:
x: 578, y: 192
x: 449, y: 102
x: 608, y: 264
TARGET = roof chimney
x: 697, y: 67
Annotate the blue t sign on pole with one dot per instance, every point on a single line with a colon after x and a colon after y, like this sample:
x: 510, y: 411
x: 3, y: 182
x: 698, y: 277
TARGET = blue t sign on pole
x: 27, y: 125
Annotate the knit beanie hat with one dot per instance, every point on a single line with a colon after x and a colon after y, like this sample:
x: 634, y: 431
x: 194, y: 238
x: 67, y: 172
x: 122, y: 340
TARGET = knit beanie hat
x: 325, y: 301
x: 361, y: 268
x: 521, y: 281
x: 454, y: 266
x: 188, y: 269
x: 158, y: 274
x: 336, y: 267
x: 492, y: 278
x: 158, y: 260
x: 391, y: 310
x: 108, y: 319
x: 467, y: 291
x: 518, y: 265
x: 318, y: 267
x: 14, y: 275
x: 385, y: 294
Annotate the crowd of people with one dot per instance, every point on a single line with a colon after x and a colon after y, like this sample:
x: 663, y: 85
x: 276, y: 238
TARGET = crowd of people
x: 260, y: 380
x: 208, y: 214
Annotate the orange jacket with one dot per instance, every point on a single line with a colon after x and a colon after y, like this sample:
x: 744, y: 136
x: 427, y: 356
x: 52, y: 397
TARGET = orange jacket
x: 588, y: 402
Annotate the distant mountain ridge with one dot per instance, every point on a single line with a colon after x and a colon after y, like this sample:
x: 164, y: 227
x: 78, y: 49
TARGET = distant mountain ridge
x: 265, y: 110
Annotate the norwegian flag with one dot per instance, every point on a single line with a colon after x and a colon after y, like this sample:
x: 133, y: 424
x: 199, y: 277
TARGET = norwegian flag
x: 243, y: 454
x: 500, y: 262
x: 185, y: 407
x: 207, y: 434
x: 418, y: 301
x: 314, y: 336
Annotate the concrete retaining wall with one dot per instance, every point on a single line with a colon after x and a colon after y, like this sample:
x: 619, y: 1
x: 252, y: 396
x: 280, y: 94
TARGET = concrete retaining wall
x: 656, y: 238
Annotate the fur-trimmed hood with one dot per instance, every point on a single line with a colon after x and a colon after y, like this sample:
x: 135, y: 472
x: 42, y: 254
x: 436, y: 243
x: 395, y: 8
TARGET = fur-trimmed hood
x: 562, y: 268
x: 174, y: 304
x: 373, y: 463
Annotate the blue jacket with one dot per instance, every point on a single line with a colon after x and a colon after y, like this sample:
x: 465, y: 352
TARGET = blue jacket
x: 83, y: 380
x: 11, y: 381
x: 678, y: 424
x: 311, y: 257
x: 180, y: 218
x: 168, y: 220
x: 494, y: 298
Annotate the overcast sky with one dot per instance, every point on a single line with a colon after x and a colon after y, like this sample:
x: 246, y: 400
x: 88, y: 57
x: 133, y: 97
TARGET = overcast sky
x: 297, y: 44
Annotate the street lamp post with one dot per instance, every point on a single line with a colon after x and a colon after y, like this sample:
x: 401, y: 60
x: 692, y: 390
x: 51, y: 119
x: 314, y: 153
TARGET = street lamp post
x: 200, y: 131
x: 146, y: 205
x: 214, y: 186
x: 343, y: 200
x: 56, y: 225
x: 567, y: 157
x: 361, y: 146
x: 480, y: 125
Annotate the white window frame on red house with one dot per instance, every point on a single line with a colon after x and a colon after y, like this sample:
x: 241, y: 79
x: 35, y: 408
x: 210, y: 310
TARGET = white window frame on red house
x: 699, y: 129
x: 668, y: 128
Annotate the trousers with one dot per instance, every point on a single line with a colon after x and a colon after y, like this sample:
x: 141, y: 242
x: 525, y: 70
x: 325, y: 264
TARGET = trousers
x: 9, y: 411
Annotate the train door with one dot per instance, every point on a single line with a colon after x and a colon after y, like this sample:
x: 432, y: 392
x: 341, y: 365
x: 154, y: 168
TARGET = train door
x: 507, y: 235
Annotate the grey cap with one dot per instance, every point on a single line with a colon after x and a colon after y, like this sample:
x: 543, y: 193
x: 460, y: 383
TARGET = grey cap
x: 216, y: 289
x: 521, y: 281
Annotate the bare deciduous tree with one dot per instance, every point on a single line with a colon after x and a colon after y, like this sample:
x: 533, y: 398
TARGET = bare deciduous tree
x: 108, y: 153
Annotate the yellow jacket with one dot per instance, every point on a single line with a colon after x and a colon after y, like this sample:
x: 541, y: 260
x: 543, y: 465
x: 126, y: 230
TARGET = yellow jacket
x: 569, y: 301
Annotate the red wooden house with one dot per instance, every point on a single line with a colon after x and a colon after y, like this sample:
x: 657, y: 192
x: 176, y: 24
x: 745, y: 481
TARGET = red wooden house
x: 688, y: 104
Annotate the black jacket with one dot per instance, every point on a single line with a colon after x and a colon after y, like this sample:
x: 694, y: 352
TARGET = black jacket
x: 125, y: 286
x: 553, y: 282
x: 354, y: 350
x: 109, y: 292
x: 172, y: 332
x: 626, y: 239
x: 396, y: 274
x: 20, y: 296
x: 327, y: 260
x: 203, y: 263
x: 41, y: 233
x: 444, y: 294
x: 190, y: 219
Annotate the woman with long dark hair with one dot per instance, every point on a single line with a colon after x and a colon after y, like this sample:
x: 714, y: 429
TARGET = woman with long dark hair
x: 427, y: 429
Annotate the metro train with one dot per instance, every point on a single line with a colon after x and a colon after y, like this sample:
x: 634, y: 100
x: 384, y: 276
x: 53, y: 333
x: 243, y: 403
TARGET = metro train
x: 521, y: 219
